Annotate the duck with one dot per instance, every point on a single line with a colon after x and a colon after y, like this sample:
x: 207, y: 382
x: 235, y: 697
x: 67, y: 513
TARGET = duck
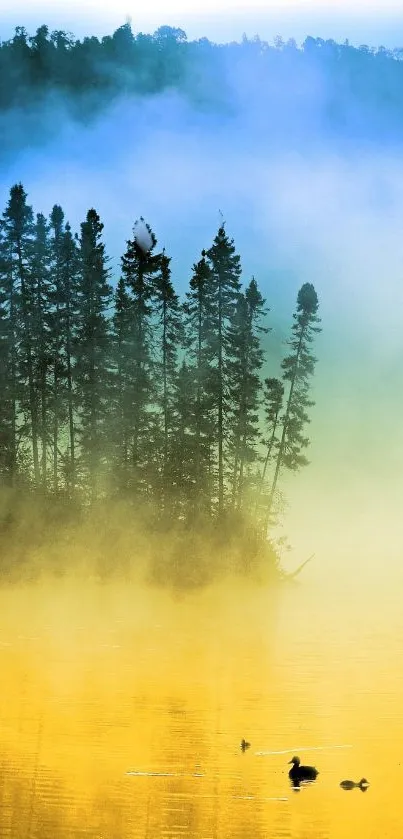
x: 244, y: 745
x: 362, y: 785
x: 298, y: 773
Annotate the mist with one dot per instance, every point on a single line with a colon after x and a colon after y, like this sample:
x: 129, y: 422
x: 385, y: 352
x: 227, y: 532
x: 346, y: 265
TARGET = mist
x: 366, y: 25
x: 301, y: 208
x: 131, y: 671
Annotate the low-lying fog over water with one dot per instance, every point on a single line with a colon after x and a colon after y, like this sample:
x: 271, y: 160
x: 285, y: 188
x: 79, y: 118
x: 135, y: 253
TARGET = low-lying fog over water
x: 123, y: 705
x: 122, y: 711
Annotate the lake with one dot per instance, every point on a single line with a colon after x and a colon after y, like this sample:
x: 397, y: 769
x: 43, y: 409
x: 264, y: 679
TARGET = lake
x: 122, y: 710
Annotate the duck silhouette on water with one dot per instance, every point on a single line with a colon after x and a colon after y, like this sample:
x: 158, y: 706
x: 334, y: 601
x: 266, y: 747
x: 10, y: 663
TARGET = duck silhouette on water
x: 301, y: 774
x: 244, y: 745
x: 362, y: 785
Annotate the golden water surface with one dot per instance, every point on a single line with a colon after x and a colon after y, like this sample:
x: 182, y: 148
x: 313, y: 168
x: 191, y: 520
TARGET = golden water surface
x: 122, y: 711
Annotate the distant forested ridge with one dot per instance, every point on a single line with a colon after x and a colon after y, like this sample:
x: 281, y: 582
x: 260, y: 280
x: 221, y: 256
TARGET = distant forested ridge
x: 126, y: 392
x: 321, y: 85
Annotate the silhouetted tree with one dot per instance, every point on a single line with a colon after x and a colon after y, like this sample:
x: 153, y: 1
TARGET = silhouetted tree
x: 198, y: 309
x: 18, y: 233
x: 58, y: 359
x: 273, y: 403
x: 298, y: 369
x: 93, y: 347
x: 39, y: 306
x: 7, y: 380
x: 362, y: 92
x: 244, y: 365
x: 170, y: 339
x: 225, y: 288
x: 184, y: 491
x: 123, y: 350
x: 160, y: 399
x: 68, y: 316
x: 140, y: 270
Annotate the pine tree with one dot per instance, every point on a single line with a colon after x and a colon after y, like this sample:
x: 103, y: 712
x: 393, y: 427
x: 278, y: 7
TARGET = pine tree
x: 93, y: 348
x: 298, y: 369
x: 123, y: 347
x: 184, y: 489
x: 226, y: 271
x: 41, y: 347
x: 244, y: 365
x: 273, y: 404
x: 140, y: 268
x: 64, y: 325
x: 18, y: 230
x: 57, y: 336
x: 7, y: 409
x: 198, y: 309
x: 170, y: 338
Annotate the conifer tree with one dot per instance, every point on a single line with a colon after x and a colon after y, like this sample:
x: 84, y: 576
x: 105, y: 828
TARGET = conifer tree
x: 7, y: 400
x: 18, y: 230
x: 57, y: 336
x: 123, y: 348
x: 184, y: 489
x: 244, y: 365
x: 273, y: 403
x: 298, y: 369
x: 41, y: 343
x: 198, y: 323
x: 67, y: 315
x: 140, y: 268
x: 93, y: 347
x: 226, y: 271
x: 171, y: 336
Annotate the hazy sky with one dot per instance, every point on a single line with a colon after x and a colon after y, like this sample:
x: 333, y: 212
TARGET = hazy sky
x: 362, y: 21
x: 295, y: 217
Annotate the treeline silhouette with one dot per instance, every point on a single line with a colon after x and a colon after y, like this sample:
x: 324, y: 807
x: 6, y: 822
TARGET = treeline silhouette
x: 350, y: 89
x: 130, y: 394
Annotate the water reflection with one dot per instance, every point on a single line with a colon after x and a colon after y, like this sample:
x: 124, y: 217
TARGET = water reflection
x: 124, y: 718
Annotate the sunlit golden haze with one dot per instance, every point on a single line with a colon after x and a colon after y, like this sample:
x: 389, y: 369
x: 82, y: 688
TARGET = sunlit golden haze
x: 99, y: 681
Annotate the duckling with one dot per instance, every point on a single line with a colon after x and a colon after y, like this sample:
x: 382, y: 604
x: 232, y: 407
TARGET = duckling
x: 244, y: 745
x: 362, y: 785
x: 299, y: 773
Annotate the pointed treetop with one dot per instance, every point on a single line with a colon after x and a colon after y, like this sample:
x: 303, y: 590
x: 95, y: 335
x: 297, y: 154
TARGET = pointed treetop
x: 307, y: 300
x: 57, y: 216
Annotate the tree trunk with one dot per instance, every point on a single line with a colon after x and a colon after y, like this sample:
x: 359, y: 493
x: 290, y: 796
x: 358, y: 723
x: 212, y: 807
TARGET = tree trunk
x: 31, y: 386
x: 284, y: 432
x: 220, y: 406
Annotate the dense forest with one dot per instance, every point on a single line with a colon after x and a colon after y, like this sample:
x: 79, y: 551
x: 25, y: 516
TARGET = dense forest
x: 337, y: 88
x: 114, y: 390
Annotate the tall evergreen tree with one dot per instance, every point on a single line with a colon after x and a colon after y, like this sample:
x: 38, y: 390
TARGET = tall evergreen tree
x: 273, y: 403
x: 123, y: 347
x: 41, y: 343
x: 226, y: 271
x: 18, y: 231
x: 57, y: 334
x: 7, y: 400
x: 185, y: 498
x: 171, y: 338
x: 93, y: 347
x: 298, y: 369
x: 66, y: 314
x: 198, y: 309
x: 140, y: 269
x: 244, y: 365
